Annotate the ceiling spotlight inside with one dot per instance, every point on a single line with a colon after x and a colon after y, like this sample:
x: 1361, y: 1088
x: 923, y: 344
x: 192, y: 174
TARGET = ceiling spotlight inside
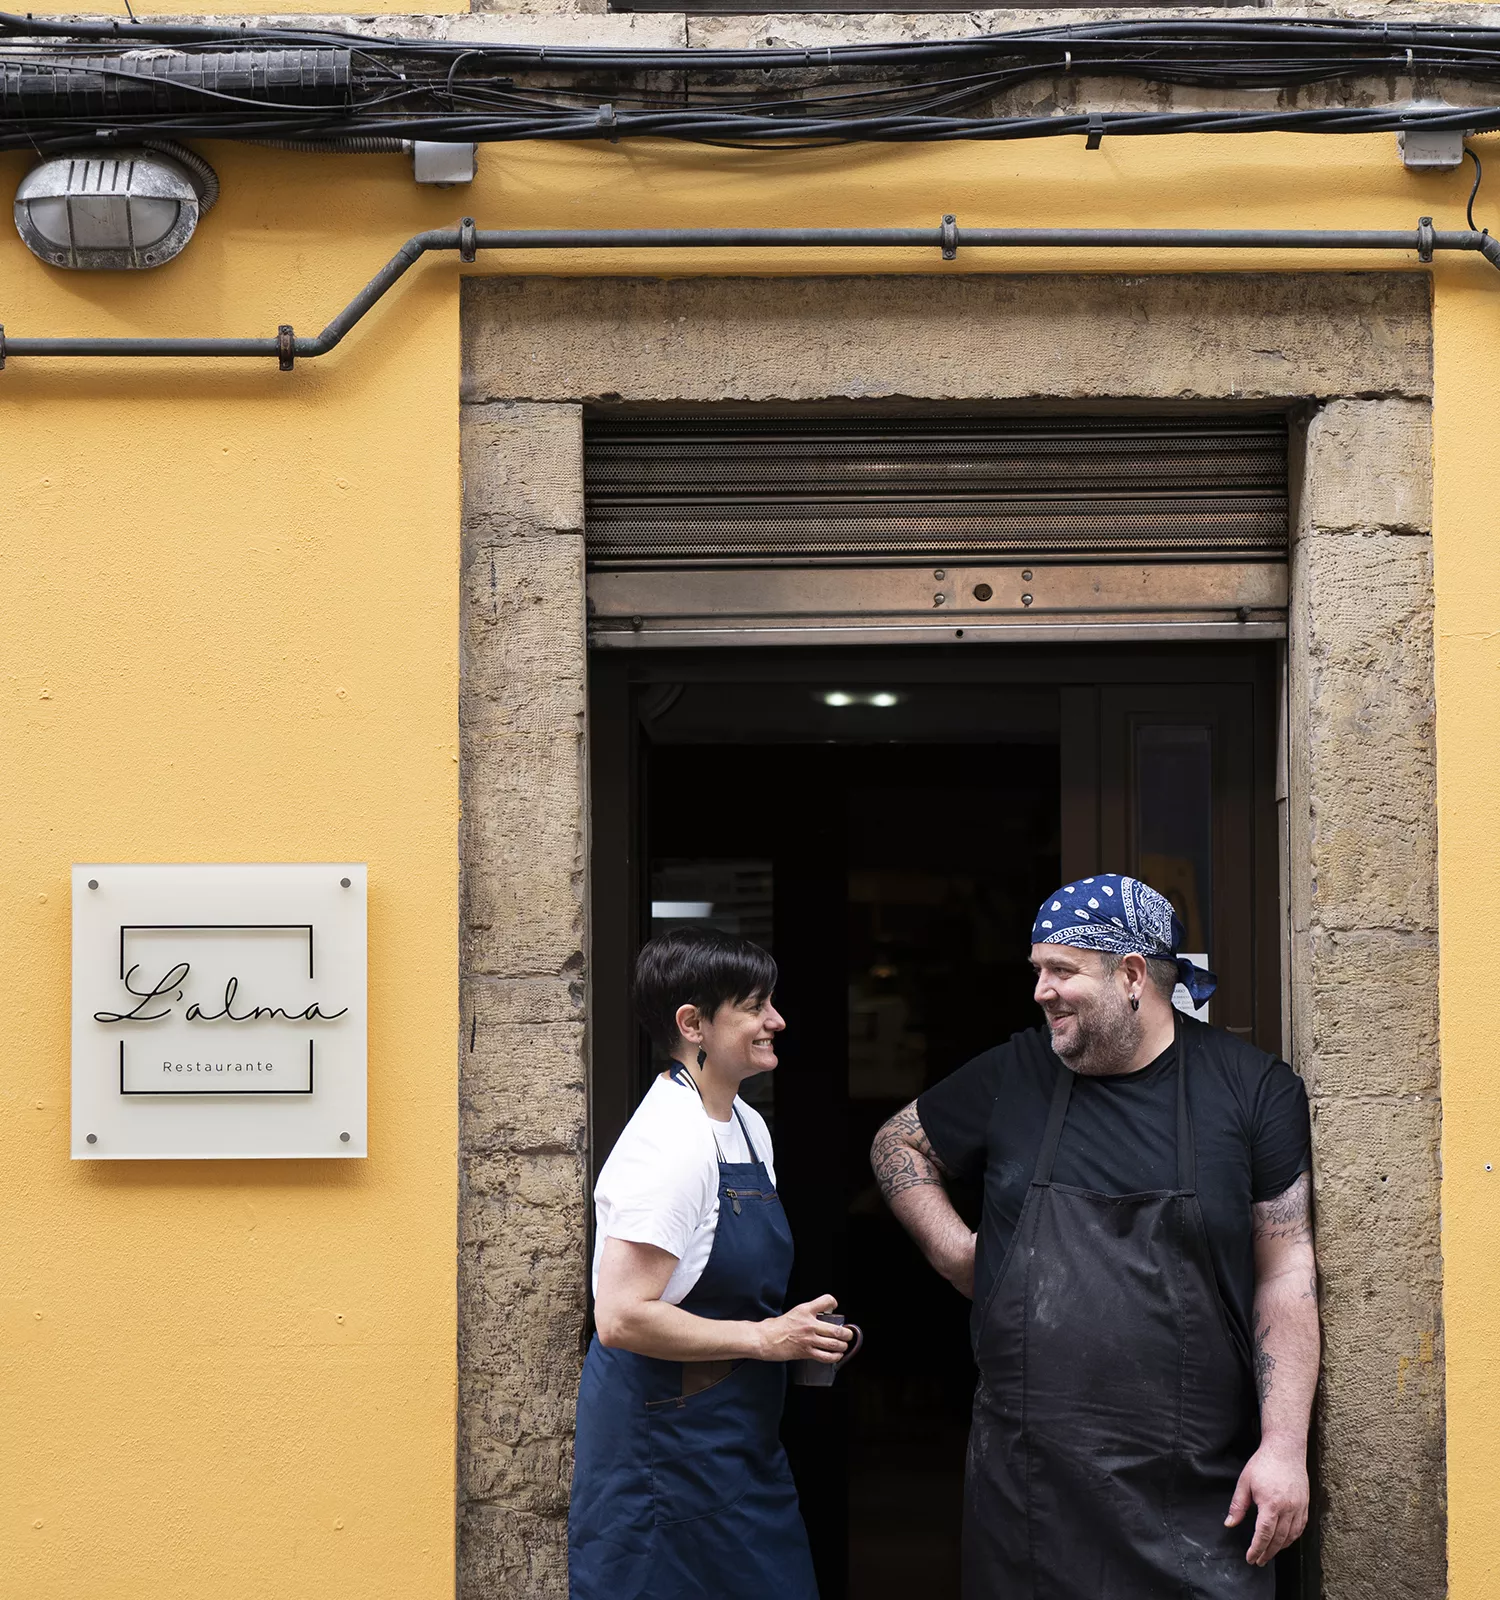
x: 842, y: 697
x: 121, y: 210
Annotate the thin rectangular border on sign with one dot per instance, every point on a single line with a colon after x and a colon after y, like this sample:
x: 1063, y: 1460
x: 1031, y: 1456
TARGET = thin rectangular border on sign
x: 215, y: 927
x: 216, y: 1094
x: 210, y: 927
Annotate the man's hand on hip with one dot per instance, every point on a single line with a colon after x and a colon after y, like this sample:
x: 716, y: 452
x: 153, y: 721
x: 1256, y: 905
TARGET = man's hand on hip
x: 953, y: 1256
x: 1275, y: 1481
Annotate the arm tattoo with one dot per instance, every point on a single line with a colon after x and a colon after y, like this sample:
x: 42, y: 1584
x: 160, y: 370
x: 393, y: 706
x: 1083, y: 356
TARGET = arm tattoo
x: 1286, y: 1216
x: 902, y: 1155
x: 1265, y: 1362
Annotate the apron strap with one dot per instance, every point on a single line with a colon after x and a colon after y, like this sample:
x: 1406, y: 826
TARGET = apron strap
x: 692, y: 1082
x: 1187, y: 1156
x: 680, y: 1074
x: 1061, y: 1092
x: 749, y: 1142
x: 1187, y: 1159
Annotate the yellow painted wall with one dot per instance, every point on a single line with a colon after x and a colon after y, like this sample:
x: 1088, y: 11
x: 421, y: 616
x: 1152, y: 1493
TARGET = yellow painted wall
x: 1466, y: 449
x: 230, y: 634
x: 229, y: 601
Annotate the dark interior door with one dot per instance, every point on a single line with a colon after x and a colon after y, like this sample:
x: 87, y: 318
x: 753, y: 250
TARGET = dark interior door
x: 887, y: 828
x: 1174, y: 783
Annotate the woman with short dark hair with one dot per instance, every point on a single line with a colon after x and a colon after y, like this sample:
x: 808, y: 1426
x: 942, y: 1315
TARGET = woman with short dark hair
x: 680, y: 1486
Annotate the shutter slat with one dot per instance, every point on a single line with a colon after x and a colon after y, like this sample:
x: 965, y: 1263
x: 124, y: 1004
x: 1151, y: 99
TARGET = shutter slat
x: 750, y: 487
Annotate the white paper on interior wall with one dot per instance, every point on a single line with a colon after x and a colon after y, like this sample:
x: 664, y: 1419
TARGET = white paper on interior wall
x: 219, y: 1012
x: 1182, y: 999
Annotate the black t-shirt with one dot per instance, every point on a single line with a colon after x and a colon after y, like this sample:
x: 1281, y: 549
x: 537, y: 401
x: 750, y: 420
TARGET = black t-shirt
x: 1250, y: 1128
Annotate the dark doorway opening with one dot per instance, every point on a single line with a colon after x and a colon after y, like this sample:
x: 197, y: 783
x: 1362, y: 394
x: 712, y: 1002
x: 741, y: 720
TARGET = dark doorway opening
x: 894, y: 877
x: 887, y: 823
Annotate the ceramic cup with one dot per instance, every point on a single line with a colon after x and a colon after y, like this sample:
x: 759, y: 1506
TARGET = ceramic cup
x: 820, y: 1374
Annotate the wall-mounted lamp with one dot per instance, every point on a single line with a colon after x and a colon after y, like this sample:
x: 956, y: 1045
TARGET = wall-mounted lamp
x: 120, y: 210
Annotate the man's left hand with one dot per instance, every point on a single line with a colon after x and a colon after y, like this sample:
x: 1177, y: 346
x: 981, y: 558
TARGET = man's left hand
x: 1275, y: 1479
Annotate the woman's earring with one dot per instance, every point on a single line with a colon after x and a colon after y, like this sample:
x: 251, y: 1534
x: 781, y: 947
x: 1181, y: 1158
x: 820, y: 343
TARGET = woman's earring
x: 702, y: 1057
x: 1135, y: 1005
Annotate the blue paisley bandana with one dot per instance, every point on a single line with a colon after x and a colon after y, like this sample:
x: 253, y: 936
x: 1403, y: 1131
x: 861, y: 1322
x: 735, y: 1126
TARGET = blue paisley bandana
x: 1124, y: 917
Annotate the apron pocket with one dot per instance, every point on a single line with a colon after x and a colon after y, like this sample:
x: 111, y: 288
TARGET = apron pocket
x: 707, y: 1449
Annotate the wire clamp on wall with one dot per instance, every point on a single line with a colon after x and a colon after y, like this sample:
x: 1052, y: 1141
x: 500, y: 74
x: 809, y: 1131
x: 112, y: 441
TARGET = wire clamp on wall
x: 286, y: 347
x: 1424, y: 238
x: 950, y: 238
x: 467, y: 249
x: 1096, y: 131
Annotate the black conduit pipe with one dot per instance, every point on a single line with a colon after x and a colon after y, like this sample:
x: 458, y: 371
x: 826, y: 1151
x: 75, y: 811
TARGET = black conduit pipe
x: 949, y: 238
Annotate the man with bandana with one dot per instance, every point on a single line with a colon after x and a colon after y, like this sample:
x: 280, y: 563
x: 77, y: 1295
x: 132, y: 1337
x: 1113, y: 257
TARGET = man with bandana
x: 1145, y: 1294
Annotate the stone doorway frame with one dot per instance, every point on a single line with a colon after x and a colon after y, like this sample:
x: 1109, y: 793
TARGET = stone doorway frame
x: 1349, y: 356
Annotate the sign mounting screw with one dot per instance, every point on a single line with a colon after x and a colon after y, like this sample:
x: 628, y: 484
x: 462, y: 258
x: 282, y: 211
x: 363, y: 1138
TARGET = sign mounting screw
x: 343, y: 883
x: 343, y: 1138
x: 93, y: 883
x: 93, y: 1138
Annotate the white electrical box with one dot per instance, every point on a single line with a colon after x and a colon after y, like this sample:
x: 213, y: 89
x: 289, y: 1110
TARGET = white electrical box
x: 443, y: 164
x: 1424, y: 150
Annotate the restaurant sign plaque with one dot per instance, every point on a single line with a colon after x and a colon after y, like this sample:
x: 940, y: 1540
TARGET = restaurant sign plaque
x: 218, y: 1011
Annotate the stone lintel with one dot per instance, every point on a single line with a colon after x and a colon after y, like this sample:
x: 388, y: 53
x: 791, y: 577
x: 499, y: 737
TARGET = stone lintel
x: 1231, y: 336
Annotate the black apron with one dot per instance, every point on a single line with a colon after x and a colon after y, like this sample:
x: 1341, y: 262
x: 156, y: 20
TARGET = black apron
x: 1115, y: 1408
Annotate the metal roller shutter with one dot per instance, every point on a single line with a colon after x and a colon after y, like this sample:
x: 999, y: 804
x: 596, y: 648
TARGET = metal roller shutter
x: 751, y: 525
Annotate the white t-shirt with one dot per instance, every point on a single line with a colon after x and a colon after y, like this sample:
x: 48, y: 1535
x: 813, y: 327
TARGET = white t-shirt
x: 661, y: 1183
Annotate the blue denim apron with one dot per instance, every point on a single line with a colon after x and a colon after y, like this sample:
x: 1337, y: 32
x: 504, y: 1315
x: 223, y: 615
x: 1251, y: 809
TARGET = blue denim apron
x: 681, y: 1488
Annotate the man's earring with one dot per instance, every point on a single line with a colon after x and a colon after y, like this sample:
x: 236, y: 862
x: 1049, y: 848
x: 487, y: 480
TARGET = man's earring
x: 703, y: 1054
x: 1135, y: 1005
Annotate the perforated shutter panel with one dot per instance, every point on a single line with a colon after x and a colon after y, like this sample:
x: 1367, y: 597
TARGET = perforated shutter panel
x: 664, y: 489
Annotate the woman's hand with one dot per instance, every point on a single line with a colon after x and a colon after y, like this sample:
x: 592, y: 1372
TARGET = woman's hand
x: 630, y: 1314
x: 797, y: 1335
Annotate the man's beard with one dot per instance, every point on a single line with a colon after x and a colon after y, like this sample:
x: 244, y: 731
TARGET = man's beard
x: 1106, y: 1037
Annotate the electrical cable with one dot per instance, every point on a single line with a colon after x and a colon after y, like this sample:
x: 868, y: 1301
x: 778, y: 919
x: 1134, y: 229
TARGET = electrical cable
x: 695, y: 125
x: 205, y: 179
x: 1478, y: 179
x: 367, y: 146
x: 62, y: 82
x: 1389, y: 48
